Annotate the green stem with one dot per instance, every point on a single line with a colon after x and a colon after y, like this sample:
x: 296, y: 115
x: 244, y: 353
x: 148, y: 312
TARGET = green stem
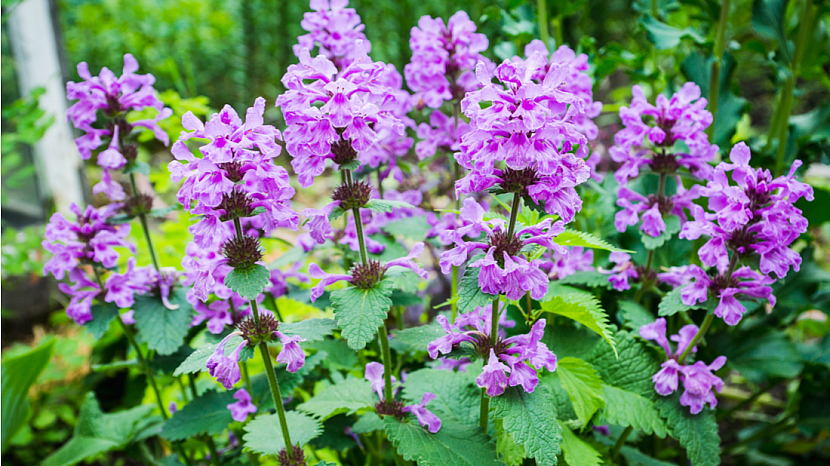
x: 275, y: 393
x: 654, y: 9
x: 746, y: 402
x: 644, y: 286
x: 380, y: 182
x: 276, y: 308
x: 707, y: 322
x: 399, y: 310
x: 454, y: 299
x: 514, y: 214
x: 214, y: 454
x: 542, y: 16
x: 358, y: 224
x: 142, y: 217
x: 784, y: 424
x: 387, y: 363
x: 620, y: 442
x: 484, y: 412
x: 485, y: 409
x: 456, y: 168
x: 245, y: 377
x: 714, y: 81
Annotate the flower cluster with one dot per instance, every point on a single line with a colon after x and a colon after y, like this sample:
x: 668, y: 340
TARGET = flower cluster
x: 334, y: 115
x: 374, y: 374
x: 443, y: 59
x: 440, y: 134
x: 521, y: 353
x: 334, y: 29
x: 115, y: 97
x: 698, y: 379
x: 503, y: 268
x: 562, y: 265
x: 528, y: 125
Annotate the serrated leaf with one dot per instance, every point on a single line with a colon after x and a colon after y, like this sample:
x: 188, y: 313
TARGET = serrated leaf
x: 345, y: 397
x: 672, y: 227
x: 359, y: 312
x: 578, y: 452
x: 161, y: 328
x: 339, y: 355
x: 97, y: 432
x: 405, y: 280
x: 632, y: 315
x: 470, y: 294
x: 453, y: 445
x: 248, y: 282
x: 571, y: 237
x: 336, y: 213
x: 583, y: 385
x: 632, y: 370
x: 264, y: 435
x: 195, y: 363
x: 310, y: 329
x: 579, y: 305
x: 102, y: 316
x: 385, y: 205
x: 697, y: 433
x: 415, y: 339
x: 206, y: 414
x: 351, y: 165
x: 457, y: 399
x: 672, y: 303
x: 531, y: 418
x: 589, y: 278
x: 511, y: 453
x: 409, y: 227
x: 626, y: 408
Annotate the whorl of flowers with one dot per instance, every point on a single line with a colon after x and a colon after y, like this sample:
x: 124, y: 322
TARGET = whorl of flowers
x: 332, y: 28
x: 374, y: 374
x: 503, y: 268
x: 443, y: 59
x: 115, y: 97
x: 357, y: 104
x: 235, y: 176
x: 516, y: 356
x: 698, y: 379
x: 528, y: 125
x: 651, y: 132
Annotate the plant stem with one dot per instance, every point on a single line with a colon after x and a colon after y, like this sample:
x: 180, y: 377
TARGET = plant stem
x: 399, y: 316
x: 358, y: 224
x: 245, y: 377
x: 387, y: 363
x: 714, y: 80
x: 747, y: 401
x: 142, y: 217
x: 275, y: 393
x: 380, y: 182
x: 644, y: 286
x: 214, y: 454
x: 514, y: 214
x: 485, y: 409
x: 276, y: 308
x: 456, y: 168
x: 542, y: 16
x: 654, y: 9
x: 620, y: 442
x: 484, y: 413
x: 454, y: 301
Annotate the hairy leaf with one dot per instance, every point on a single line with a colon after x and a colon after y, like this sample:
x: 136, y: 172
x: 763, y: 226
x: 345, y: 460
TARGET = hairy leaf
x: 360, y: 312
x: 470, y: 295
x: 415, y: 339
x: 589, y: 278
x: 310, y: 329
x: 345, y: 397
x: 531, y: 418
x: 633, y: 315
x: 368, y: 422
x: 250, y: 282
x: 161, y: 328
x: 264, y: 435
x: 206, y: 414
x: 386, y: 205
x: 581, y: 306
x: 625, y: 408
x: 510, y: 452
x: 633, y: 370
x: 457, y: 398
x: 338, y: 354
x: 102, y: 316
x: 583, y: 385
x: 453, y: 445
x: 697, y: 433
x: 580, y: 238
x: 671, y: 304
x: 577, y: 451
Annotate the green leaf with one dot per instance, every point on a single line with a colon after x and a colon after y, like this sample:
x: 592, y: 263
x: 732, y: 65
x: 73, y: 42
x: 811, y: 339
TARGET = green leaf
x: 531, y: 418
x: 352, y: 166
x: 583, y: 385
x: 697, y: 433
x: 207, y: 414
x: 385, y: 205
x: 195, y: 363
x: 579, y: 305
x: 666, y: 37
x: 671, y: 304
x: 769, y: 21
x: 577, y: 451
x: 288, y: 257
x: 261, y: 390
x: 163, y: 211
x: 338, y: 354
x: 264, y: 435
x: 248, y: 282
x: 19, y: 373
x: 336, y: 213
x: 457, y: 399
x: 672, y: 227
x: 168, y: 363
x: 632, y: 315
x: 368, y: 422
x: 415, y: 339
x: 136, y: 166
x: 453, y: 445
x: 310, y: 329
x: 759, y: 354
x: 591, y: 279
x: 632, y: 370
x: 102, y: 317
x: 345, y: 397
x: 625, y: 408
x: 360, y: 312
x: 511, y: 453
x: 567, y: 338
x: 580, y: 238
x: 635, y: 457
x: 470, y: 295
x: 161, y: 328
x: 409, y: 227
x: 97, y: 432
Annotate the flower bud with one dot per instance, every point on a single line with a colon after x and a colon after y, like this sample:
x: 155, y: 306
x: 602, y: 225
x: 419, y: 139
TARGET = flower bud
x: 242, y: 253
x: 368, y: 275
x: 352, y: 196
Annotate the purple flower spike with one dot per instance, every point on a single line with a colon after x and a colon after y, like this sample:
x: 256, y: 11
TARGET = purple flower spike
x: 243, y: 407
x: 494, y: 377
x: 699, y: 382
x: 425, y: 417
x: 225, y: 368
x: 291, y: 352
